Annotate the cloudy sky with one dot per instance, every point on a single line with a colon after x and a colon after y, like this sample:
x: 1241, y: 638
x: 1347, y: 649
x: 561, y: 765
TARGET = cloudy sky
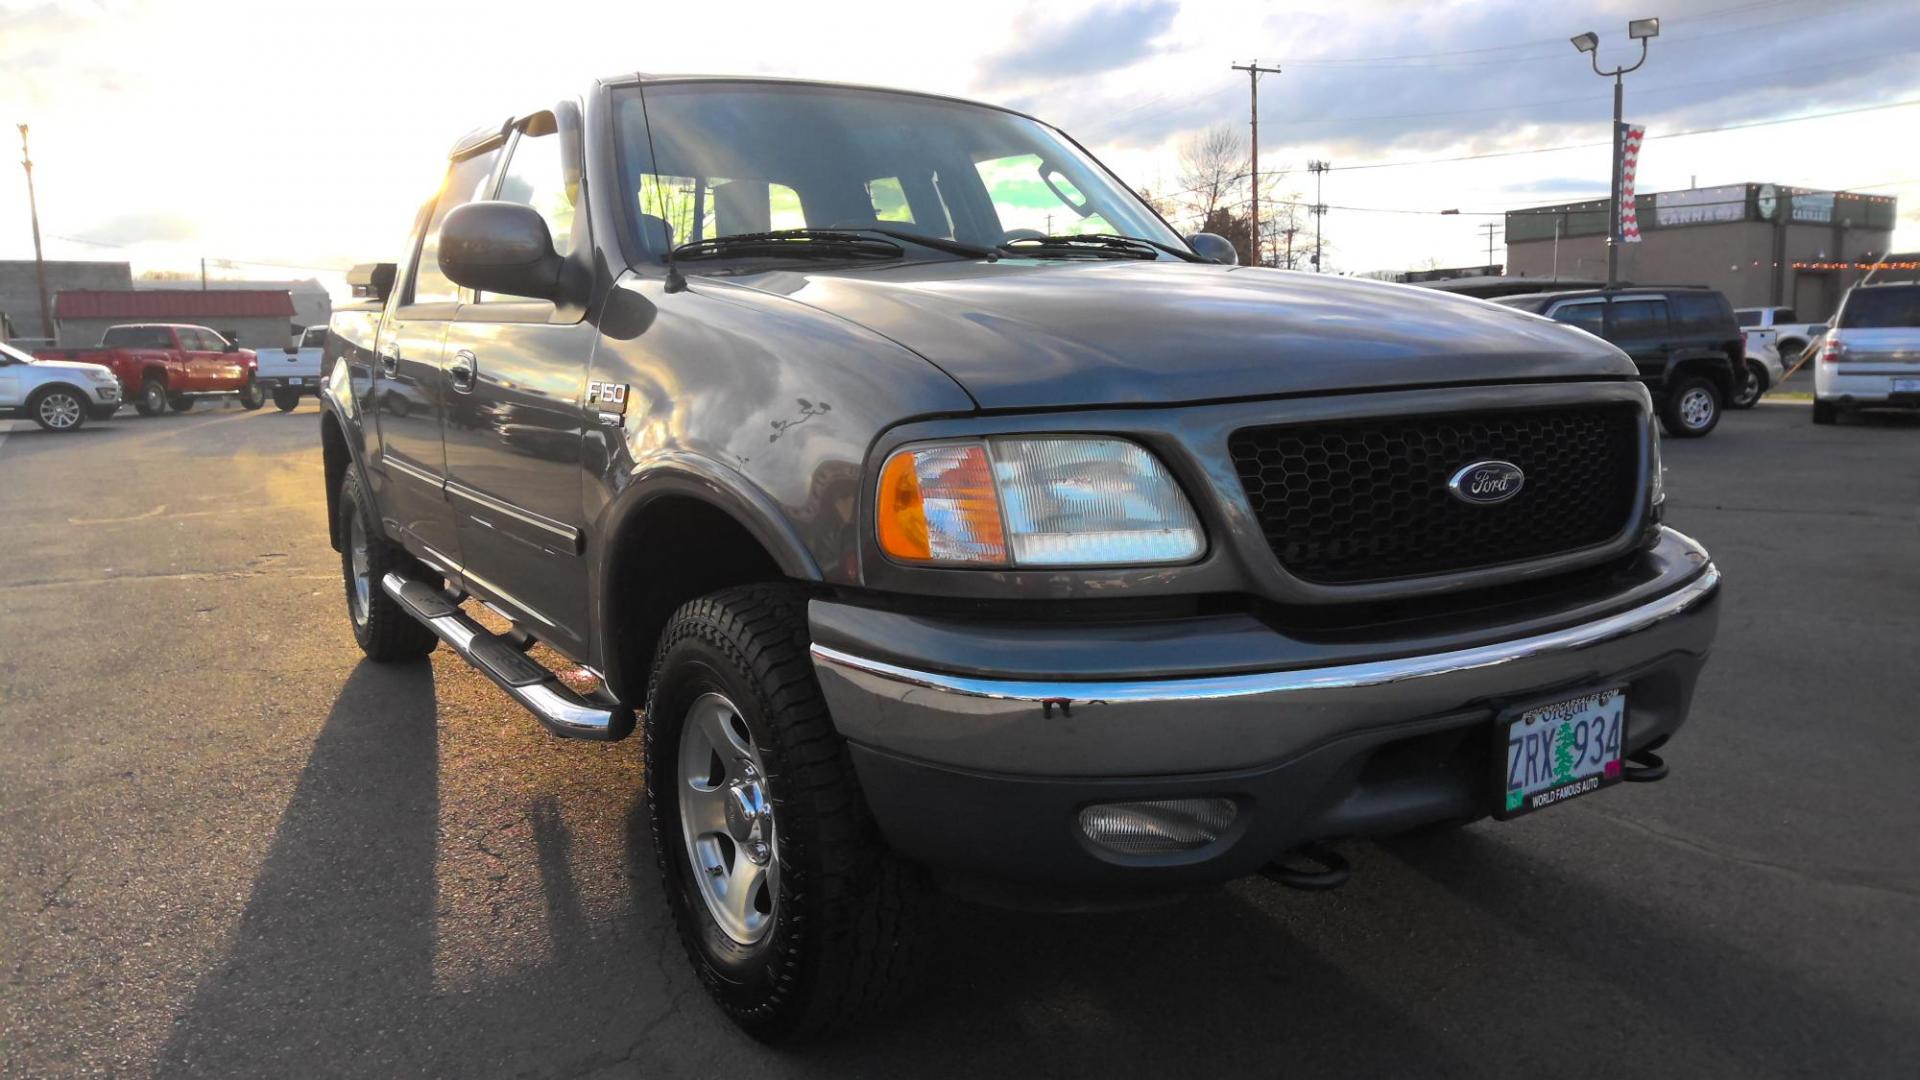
x: 304, y: 135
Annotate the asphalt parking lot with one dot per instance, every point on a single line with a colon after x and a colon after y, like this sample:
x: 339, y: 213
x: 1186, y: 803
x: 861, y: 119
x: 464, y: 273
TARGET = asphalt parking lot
x: 228, y: 847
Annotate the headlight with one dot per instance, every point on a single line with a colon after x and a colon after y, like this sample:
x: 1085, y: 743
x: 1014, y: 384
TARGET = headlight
x: 1034, y: 501
x: 102, y: 376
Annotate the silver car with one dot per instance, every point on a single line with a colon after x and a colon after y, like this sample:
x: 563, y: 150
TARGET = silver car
x: 59, y: 395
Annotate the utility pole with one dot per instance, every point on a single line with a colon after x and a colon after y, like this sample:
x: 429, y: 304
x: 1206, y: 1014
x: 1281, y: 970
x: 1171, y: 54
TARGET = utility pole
x: 1254, y: 71
x: 203, y: 273
x: 1319, y: 171
x: 1491, y: 228
x: 39, y: 260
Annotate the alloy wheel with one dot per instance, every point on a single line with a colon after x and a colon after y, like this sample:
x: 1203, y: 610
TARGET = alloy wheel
x: 362, y: 596
x: 60, y: 410
x: 1696, y: 408
x: 726, y: 818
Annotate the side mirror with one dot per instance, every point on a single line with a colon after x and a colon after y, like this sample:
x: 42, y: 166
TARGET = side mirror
x: 1214, y: 248
x: 374, y: 280
x: 231, y: 346
x: 500, y: 247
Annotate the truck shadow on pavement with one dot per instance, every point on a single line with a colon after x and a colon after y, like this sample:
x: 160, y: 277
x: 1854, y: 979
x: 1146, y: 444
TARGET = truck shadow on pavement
x: 331, y: 969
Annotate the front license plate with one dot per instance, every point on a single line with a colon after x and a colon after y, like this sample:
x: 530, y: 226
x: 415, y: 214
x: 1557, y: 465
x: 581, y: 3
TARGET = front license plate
x: 1559, y: 751
x: 1906, y: 386
x: 295, y: 382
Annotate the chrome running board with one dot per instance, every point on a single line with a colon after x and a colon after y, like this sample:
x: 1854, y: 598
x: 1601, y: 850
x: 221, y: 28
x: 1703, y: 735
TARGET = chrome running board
x: 558, y: 708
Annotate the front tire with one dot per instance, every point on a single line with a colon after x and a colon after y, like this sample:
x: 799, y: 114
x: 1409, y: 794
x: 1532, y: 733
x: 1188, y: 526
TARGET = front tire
x: 153, y: 398
x: 58, y: 409
x: 1825, y: 412
x: 381, y: 626
x: 1692, y: 408
x: 1752, y: 386
x: 252, y: 396
x: 794, y: 914
x: 286, y: 400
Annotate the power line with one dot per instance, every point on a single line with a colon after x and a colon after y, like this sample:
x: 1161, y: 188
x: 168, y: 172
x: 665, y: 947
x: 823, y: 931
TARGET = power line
x: 1535, y: 43
x: 1650, y: 138
x: 1558, y: 44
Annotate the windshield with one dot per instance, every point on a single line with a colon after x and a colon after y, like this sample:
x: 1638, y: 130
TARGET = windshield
x: 1879, y: 307
x: 732, y: 158
x: 1747, y: 316
x: 13, y: 354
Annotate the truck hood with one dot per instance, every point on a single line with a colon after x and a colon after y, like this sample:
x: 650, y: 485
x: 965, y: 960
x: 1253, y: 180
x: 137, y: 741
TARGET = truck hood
x: 1022, y: 333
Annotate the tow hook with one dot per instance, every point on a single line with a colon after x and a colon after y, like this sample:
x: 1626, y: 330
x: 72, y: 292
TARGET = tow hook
x: 1644, y: 767
x: 1324, y: 868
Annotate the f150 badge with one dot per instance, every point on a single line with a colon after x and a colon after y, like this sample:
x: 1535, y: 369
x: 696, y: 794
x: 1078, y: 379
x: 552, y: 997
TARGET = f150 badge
x: 609, y: 400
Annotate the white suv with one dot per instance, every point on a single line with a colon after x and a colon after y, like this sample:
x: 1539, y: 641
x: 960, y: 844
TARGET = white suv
x: 1871, y: 357
x: 59, y: 395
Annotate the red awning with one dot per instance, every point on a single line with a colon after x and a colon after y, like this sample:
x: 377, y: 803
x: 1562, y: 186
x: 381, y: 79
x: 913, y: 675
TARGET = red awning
x: 171, y: 305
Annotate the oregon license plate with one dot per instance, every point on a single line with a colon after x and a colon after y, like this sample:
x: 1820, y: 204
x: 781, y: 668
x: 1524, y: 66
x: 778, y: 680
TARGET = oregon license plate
x: 295, y: 382
x: 1559, y: 751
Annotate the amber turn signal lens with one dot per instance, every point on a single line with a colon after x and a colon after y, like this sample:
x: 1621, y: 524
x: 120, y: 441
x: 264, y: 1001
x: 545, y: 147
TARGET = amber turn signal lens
x: 938, y: 504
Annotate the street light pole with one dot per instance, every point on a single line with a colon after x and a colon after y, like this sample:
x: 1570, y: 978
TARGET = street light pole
x: 1640, y: 30
x: 39, y: 260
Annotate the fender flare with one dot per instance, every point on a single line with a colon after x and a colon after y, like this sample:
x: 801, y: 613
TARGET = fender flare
x: 1721, y: 364
x: 354, y: 437
x: 711, y: 482
x: 688, y: 476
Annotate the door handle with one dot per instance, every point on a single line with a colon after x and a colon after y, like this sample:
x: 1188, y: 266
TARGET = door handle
x: 461, y: 370
x: 390, y: 361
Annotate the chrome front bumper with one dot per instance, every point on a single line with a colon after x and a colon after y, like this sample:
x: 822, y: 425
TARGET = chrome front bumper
x: 1057, y: 727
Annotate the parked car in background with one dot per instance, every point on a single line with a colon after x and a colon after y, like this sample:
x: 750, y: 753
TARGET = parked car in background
x: 1795, y: 335
x: 924, y: 544
x: 291, y: 373
x: 1871, y: 355
x: 1683, y: 339
x: 168, y: 365
x: 59, y: 395
x: 1763, y: 370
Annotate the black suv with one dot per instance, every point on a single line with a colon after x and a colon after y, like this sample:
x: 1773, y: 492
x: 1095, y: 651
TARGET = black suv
x: 1685, y: 341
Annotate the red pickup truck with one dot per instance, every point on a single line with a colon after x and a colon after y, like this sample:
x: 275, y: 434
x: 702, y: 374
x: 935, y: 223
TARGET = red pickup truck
x: 163, y: 364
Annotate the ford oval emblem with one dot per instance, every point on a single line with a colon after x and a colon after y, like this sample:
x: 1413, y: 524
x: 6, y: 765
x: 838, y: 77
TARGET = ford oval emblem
x: 1484, y: 483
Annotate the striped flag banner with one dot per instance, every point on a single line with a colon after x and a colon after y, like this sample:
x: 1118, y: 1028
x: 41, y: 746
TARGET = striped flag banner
x: 1632, y: 134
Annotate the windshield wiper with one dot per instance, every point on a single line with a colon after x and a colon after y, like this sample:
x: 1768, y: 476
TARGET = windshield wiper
x: 937, y: 243
x: 1097, y: 245
x: 791, y: 244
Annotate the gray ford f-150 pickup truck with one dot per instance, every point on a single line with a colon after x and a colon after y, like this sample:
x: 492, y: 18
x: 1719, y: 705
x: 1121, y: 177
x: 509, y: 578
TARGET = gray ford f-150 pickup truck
x: 942, y: 518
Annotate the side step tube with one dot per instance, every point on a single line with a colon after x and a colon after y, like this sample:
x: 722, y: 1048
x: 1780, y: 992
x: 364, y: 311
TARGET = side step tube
x: 560, y: 710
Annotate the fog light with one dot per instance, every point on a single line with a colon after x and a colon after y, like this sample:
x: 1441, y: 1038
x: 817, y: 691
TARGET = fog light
x: 1157, y: 826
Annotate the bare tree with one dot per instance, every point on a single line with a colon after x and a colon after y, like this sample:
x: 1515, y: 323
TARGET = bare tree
x: 1213, y: 171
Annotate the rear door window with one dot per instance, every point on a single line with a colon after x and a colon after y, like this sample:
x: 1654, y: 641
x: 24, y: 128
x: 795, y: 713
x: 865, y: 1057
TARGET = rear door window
x: 1586, y: 316
x: 1698, y: 313
x: 1639, y: 319
x: 1749, y: 317
x: 137, y: 337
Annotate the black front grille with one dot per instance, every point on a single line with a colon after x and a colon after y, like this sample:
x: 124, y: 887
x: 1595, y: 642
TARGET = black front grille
x: 1367, y: 500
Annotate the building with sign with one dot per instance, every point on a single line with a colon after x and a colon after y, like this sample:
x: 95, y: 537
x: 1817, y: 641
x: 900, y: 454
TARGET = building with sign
x: 1761, y: 244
